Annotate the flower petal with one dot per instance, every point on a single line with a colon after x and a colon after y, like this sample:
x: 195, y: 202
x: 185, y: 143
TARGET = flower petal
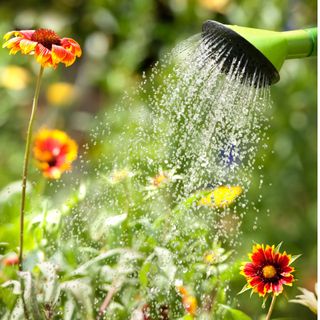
x: 71, y: 45
x: 58, y: 53
x: 27, y: 46
x: 12, y: 42
x: 43, y: 55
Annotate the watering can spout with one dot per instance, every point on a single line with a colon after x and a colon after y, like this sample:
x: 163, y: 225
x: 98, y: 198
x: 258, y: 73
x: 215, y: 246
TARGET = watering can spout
x: 263, y: 49
x: 280, y: 46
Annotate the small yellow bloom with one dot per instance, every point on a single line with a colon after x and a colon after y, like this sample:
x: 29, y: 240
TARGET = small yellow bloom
x: 14, y: 77
x: 120, y: 175
x: 61, y: 94
x: 221, y: 197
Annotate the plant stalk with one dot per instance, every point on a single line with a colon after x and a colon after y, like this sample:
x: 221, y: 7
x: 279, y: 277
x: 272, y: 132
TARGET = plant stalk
x: 273, y: 301
x: 25, y: 165
x: 107, y: 301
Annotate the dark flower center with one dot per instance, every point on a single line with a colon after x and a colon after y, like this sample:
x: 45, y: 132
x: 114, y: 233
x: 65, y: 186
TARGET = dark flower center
x: 52, y: 162
x: 46, y: 37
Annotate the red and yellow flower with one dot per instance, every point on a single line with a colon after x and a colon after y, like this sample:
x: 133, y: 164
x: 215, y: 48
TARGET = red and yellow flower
x: 54, y: 152
x: 11, y: 260
x: 47, y: 47
x: 189, y: 301
x: 268, y: 270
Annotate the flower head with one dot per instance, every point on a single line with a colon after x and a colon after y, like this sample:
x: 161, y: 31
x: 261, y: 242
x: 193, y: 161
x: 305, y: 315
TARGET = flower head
x: 61, y: 93
x: 120, y: 175
x: 268, y: 270
x: 54, y: 151
x: 221, y: 196
x: 162, y: 179
x: 47, y: 47
x: 189, y: 301
x: 11, y: 260
x: 14, y: 77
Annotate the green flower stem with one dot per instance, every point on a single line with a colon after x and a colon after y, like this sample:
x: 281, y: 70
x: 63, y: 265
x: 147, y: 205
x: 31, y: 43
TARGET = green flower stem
x: 273, y: 301
x: 25, y: 165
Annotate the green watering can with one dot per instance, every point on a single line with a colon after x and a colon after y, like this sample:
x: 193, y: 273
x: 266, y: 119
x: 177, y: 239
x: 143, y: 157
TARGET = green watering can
x: 259, y: 51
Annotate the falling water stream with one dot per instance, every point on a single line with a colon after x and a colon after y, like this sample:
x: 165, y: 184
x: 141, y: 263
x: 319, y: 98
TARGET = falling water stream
x: 189, y: 125
x: 190, y: 118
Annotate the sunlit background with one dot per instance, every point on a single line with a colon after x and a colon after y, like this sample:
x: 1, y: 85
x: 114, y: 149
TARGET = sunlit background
x: 123, y: 38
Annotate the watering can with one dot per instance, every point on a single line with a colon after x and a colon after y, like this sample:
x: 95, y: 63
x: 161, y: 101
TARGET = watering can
x: 262, y: 50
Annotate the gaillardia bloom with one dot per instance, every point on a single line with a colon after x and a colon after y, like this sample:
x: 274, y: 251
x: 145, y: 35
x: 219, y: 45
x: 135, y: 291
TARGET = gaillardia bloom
x: 47, y: 47
x: 189, y: 301
x: 54, y: 151
x: 268, y: 270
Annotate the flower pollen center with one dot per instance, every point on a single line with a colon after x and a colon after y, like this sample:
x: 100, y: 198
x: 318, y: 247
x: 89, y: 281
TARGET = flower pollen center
x: 46, y: 37
x: 269, y: 271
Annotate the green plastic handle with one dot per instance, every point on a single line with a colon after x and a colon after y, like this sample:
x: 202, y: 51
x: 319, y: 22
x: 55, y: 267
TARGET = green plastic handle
x: 301, y: 43
x: 313, y: 33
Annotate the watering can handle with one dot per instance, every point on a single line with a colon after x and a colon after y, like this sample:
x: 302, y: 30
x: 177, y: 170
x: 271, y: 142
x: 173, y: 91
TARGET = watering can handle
x: 301, y: 43
x: 313, y: 33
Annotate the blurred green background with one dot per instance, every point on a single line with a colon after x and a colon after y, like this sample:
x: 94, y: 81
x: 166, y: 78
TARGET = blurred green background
x: 122, y: 38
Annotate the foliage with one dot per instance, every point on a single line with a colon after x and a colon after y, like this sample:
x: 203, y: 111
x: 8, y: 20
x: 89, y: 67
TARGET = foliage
x: 140, y: 242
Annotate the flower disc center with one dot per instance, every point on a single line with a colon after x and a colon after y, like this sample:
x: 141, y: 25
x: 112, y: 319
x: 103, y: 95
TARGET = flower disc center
x: 46, y: 37
x: 269, y: 271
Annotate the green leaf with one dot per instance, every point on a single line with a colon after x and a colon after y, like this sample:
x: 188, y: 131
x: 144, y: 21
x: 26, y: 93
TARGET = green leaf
x: 143, y: 275
x: 12, y: 189
x: 51, y: 286
x: 166, y: 262
x: 188, y: 203
x: 234, y: 314
x: 81, y: 291
x: 30, y: 295
x: 83, y: 268
x: 294, y: 258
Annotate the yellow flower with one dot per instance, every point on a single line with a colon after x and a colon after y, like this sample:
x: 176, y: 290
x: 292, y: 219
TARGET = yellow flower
x: 118, y: 176
x: 61, y: 93
x: 14, y: 77
x: 221, y: 197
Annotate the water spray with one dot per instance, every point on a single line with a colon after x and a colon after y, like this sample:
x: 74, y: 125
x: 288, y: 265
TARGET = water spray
x: 260, y: 51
